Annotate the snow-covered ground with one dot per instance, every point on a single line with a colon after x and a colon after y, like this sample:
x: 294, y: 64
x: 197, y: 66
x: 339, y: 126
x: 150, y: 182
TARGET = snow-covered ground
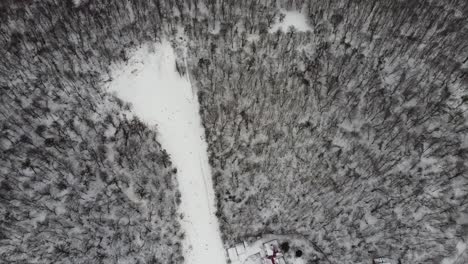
x: 161, y: 97
x: 460, y: 255
x: 291, y: 18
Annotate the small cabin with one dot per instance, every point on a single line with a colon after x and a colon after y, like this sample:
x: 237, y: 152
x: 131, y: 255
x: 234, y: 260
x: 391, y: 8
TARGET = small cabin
x: 273, y: 254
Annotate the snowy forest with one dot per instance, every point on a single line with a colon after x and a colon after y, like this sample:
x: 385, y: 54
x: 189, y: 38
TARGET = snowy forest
x: 352, y: 134
x: 82, y: 181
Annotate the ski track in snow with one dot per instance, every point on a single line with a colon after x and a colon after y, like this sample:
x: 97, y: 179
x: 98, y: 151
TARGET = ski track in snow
x: 161, y: 97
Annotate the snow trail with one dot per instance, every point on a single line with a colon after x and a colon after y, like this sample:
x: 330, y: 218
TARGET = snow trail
x: 161, y: 97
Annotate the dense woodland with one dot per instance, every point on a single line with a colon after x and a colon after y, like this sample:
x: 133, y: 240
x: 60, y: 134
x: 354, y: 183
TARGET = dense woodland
x: 81, y: 180
x: 352, y: 135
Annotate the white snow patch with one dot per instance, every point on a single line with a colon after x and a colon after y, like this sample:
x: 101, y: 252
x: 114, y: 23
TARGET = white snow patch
x: 37, y: 217
x: 461, y: 247
x: 299, y: 261
x: 291, y: 18
x: 132, y: 196
x: 370, y: 219
x: 160, y: 96
x: 253, y: 37
x: 130, y: 11
x: 217, y: 27
x: 77, y: 2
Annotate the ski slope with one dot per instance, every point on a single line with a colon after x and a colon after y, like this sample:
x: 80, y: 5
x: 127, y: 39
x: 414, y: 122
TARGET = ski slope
x: 161, y: 97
